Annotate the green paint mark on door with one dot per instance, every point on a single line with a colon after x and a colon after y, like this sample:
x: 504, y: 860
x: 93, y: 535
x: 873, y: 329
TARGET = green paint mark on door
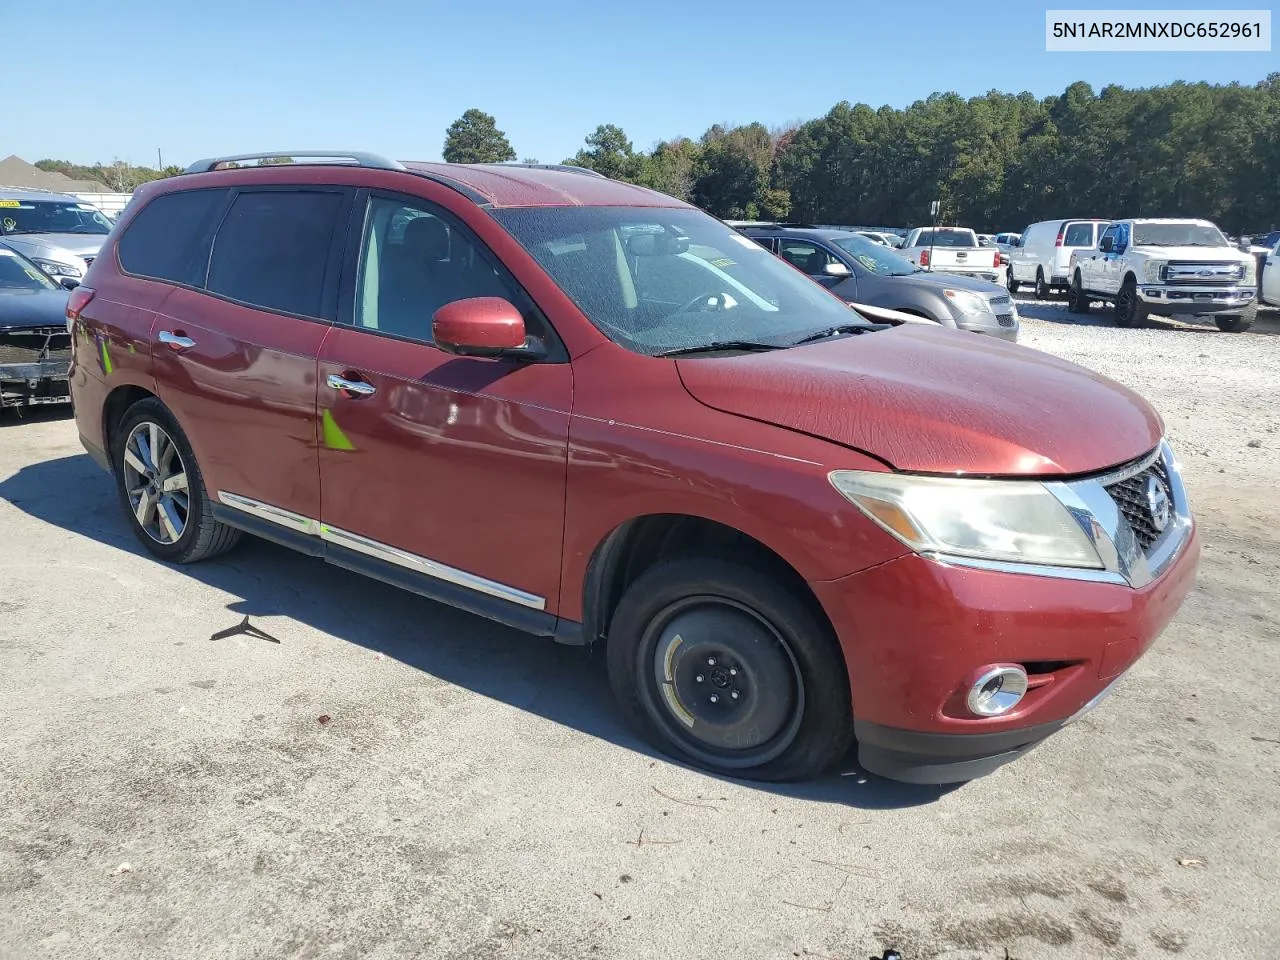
x: 334, y: 438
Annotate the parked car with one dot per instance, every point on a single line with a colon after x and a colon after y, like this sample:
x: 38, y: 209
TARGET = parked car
x: 1007, y: 241
x: 35, y: 348
x: 1269, y: 274
x: 58, y: 232
x: 952, y: 250
x: 593, y: 412
x: 1043, y: 258
x: 884, y: 239
x: 986, y: 240
x: 859, y: 271
x: 1179, y: 267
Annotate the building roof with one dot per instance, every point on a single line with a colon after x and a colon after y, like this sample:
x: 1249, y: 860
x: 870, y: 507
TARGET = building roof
x: 515, y: 186
x: 16, y: 172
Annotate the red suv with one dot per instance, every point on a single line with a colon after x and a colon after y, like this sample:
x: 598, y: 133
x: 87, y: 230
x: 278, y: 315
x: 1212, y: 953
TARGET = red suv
x: 591, y: 411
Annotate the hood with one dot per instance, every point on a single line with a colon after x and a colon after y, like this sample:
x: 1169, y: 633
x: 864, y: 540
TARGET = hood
x: 42, y: 244
x: 929, y: 400
x: 955, y: 282
x: 1208, y: 254
x: 33, y: 308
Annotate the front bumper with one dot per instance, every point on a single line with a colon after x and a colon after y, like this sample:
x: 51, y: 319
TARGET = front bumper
x: 34, y: 383
x: 916, y: 631
x: 1197, y: 300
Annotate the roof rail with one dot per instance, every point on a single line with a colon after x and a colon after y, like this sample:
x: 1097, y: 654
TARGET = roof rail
x: 565, y: 167
x: 10, y: 186
x: 350, y: 157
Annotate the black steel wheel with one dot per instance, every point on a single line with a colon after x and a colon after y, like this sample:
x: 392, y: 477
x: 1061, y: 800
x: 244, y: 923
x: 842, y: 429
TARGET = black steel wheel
x: 1077, y: 299
x: 720, y: 665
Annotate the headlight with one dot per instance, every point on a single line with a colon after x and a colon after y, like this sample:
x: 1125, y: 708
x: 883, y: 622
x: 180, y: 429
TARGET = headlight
x: 56, y: 269
x: 1250, y: 272
x: 1011, y: 520
x: 966, y: 301
x: 1153, y: 268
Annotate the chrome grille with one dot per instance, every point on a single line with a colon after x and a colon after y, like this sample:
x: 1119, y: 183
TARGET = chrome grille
x: 1130, y: 496
x: 1191, y: 272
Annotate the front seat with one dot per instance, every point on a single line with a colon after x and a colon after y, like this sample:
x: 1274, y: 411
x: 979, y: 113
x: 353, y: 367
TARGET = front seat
x: 419, y: 279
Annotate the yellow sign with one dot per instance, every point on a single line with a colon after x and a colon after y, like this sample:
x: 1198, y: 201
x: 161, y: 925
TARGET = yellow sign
x: 10, y: 203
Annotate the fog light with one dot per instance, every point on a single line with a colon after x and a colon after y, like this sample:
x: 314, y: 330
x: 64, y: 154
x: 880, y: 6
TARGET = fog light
x: 997, y: 691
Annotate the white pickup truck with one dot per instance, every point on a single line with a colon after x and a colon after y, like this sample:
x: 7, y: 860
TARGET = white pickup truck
x: 952, y: 250
x: 1171, y: 267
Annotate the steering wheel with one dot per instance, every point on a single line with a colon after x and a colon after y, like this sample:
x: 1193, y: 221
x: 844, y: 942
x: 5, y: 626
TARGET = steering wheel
x: 702, y: 303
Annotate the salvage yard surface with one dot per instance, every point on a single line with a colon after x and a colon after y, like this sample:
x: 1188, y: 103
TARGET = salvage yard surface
x: 393, y: 778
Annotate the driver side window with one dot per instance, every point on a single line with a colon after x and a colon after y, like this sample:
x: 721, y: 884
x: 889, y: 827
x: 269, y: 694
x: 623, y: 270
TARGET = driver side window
x: 805, y: 256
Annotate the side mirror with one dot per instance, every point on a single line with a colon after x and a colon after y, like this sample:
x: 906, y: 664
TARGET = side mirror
x: 478, y: 327
x: 836, y: 269
x: 68, y: 283
x: 1106, y: 245
x: 1245, y: 244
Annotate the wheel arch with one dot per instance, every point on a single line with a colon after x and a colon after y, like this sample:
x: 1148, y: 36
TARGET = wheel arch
x: 114, y: 407
x: 637, y: 544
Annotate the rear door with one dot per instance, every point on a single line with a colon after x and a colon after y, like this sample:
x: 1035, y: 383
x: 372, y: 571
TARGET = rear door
x: 235, y: 351
x: 1271, y: 276
x: 1076, y: 235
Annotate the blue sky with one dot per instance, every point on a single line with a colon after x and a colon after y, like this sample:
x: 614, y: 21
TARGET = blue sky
x: 235, y: 76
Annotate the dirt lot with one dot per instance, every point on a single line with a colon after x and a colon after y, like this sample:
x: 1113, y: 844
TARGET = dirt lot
x: 471, y: 792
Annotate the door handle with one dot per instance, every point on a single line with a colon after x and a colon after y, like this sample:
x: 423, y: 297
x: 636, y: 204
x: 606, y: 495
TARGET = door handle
x: 357, y: 388
x: 175, y: 341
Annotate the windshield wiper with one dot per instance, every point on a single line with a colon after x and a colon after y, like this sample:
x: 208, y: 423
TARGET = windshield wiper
x: 717, y: 345
x: 843, y: 328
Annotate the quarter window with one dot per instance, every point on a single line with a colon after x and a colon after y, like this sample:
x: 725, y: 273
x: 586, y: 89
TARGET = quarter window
x: 273, y: 248
x: 412, y: 262
x: 169, y: 238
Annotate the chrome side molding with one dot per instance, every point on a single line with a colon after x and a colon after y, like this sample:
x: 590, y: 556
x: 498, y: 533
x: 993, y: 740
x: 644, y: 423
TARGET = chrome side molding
x: 381, y: 551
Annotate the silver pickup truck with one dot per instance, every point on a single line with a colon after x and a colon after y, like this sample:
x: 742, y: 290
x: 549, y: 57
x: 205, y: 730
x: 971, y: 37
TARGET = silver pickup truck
x: 952, y: 250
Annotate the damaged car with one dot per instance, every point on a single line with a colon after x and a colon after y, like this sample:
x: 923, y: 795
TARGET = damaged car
x: 35, y: 347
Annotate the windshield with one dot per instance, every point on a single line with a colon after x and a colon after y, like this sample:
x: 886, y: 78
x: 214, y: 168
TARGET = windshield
x: 18, y: 273
x: 658, y: 279
x: 1177, y: 235
x: 875, y: 257
x: 947, y: 238
x: 51, y: 216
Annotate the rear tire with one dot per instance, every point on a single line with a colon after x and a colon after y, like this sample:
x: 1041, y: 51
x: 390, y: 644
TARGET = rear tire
x: 1077, y: 299
x: 1130, y: 311
x: 719, y: 665
x: 1235, y: 324
x: 1010, y: 283
x: 161, y: 488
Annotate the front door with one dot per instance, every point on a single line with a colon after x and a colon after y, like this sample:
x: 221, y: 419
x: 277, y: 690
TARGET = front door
x: 236, y: 361
x: 447, y: 472
x: 812, y: 258
x: 1271, y: 277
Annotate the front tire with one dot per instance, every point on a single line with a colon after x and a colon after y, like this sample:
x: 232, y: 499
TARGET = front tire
x: 1010, y: 283
x: 1236, y: 324
x: 719, y: 665
x: 1043, y: 291
x: 1130, y: 311
x: 161, y: 488
x: 1077, y: 299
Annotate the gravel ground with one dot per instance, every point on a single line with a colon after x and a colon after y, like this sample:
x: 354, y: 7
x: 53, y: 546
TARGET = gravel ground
x: 393, y: 778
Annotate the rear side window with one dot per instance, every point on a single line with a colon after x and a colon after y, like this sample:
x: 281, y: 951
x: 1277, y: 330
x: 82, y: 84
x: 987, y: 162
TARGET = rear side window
x: 1079, y: 235
x: 273, y: 247
x: 169, y: 239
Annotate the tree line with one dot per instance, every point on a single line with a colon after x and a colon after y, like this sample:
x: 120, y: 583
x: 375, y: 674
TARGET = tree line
x: 996, y: 162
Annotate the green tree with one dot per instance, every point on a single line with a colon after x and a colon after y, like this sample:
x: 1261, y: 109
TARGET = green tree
x: 475, y: 138
x: 608, y: 151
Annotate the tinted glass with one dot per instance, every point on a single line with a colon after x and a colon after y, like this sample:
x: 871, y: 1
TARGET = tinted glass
x: 51, y: 216
x: 18, y: 273
x: 169, y: 239
x: 1078, y: 235
x: 947, y: 238
x: 1177, y: 235
x: 656, y: 279
x: 413, y: 262
x: 877, y: 258
x: 272, y: 250
x: 804, y: 256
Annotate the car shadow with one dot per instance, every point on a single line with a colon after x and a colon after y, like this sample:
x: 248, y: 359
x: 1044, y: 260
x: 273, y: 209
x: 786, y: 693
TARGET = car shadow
x: 43, y: 413
x: 567, y: 685
x: 1055, y: 311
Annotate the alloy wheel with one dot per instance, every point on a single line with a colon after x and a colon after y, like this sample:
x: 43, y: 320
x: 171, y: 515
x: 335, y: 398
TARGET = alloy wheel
x: 155, y: 479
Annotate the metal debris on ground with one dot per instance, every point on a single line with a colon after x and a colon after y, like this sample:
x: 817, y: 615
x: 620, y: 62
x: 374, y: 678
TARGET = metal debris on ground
x: 246, y: 628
